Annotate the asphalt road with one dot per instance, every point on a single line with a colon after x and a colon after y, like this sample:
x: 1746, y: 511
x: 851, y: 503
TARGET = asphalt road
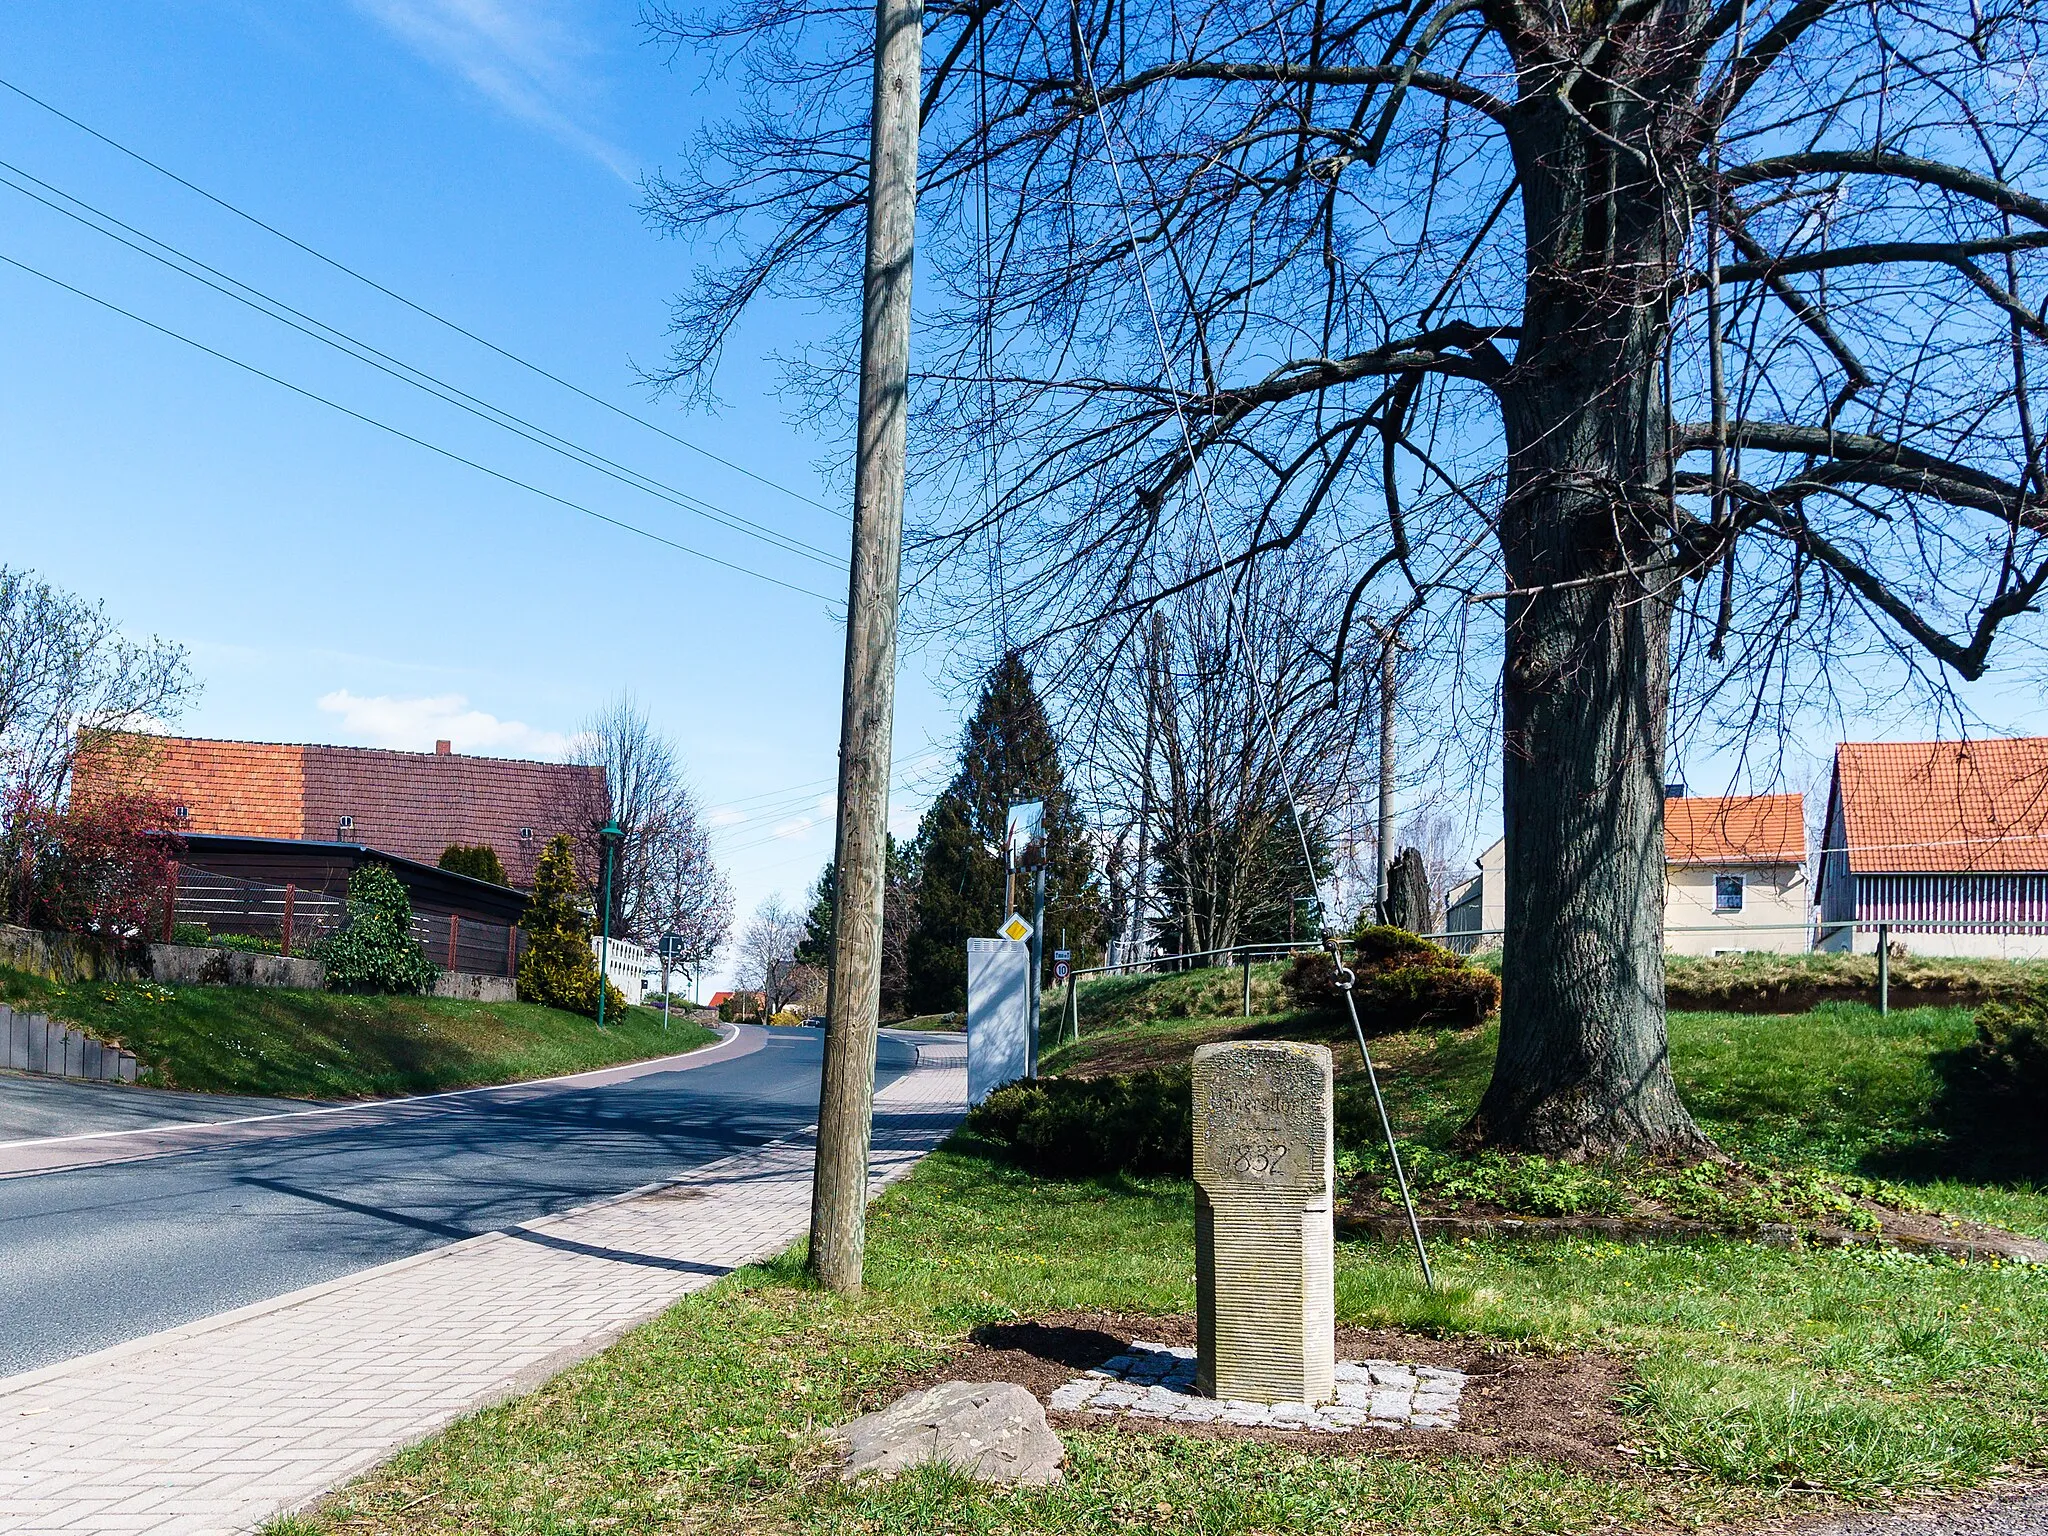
x: 99, y: 1254
x: 54, y: 1106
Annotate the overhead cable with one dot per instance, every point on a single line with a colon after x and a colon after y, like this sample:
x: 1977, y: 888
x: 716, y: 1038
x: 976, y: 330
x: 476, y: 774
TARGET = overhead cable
x: 401, y: 433
x: 1345, y: 977
x: 318, y: 330
x: 417, y: 308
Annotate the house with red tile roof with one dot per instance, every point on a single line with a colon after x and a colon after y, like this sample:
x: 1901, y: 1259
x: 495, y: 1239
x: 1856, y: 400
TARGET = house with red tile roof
x: 1734, y: 879
x: 412, y: 804
x: 1735, y: 874
x: 1943, y: 842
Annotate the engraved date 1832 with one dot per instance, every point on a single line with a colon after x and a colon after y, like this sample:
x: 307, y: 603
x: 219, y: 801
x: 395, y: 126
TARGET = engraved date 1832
x: 1258, y: 1159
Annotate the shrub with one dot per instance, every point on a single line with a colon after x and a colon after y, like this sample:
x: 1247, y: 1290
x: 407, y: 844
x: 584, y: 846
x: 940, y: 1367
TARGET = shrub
x: 376, y: 952
x: 1066, y: 1128
x: 557, y: 968
x: 1402, y: 981
x: 2001, y: 1078
x: 248, y: 943
x: 99, y: 867
x: 479, y: 861
x: 199, y: 936
x: 786, y: 1018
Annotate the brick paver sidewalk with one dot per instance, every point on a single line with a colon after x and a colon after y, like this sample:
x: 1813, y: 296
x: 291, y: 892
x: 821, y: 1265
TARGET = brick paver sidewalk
x: 221, y: 1425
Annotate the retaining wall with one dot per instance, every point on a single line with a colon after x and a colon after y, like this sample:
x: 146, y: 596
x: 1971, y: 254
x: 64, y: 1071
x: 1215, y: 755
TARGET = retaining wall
x: 475, y: 987
x: 29, y: 1042
x: 193, y: 965
x: 68, y: 957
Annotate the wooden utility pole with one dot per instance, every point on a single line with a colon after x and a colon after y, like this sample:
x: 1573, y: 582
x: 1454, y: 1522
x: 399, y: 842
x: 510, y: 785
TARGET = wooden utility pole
x: 1152, y: 649
x: 846, y: 1096
x: 1390, y: 645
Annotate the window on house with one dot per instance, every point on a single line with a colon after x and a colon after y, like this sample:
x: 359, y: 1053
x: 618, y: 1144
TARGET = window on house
x: 526, y: 834
x: 348, y: 823
x: 1727, y: 893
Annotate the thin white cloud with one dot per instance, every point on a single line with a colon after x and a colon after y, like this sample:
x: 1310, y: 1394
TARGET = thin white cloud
x: 522, y: 54
x: 726, y: 818
x: 795, y: 828
x: 415, y: 724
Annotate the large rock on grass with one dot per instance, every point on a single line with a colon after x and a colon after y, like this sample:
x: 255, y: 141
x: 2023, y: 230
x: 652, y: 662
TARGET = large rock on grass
x: 994, y: 1432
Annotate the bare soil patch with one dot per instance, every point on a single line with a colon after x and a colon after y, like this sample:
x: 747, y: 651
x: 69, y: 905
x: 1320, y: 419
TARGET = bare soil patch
x: 1558, y: 1407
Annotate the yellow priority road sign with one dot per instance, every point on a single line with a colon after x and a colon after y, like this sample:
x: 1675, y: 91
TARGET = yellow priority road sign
x: 1016, y: 929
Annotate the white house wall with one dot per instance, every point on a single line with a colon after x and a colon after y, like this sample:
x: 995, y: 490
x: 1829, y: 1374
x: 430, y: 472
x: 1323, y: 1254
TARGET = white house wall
x: 1774, y: 916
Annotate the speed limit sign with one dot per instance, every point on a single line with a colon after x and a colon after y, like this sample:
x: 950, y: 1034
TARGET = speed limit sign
x: 1062, y: 964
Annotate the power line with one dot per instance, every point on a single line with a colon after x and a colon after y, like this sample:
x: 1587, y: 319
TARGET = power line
x: 406, y: 373
x: 793, y: 807
x: 398, y: 432
x: 917, y: 759
x: 417, y: 308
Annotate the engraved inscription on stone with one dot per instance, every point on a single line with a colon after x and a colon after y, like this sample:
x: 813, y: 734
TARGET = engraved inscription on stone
x: 1265, y: 1249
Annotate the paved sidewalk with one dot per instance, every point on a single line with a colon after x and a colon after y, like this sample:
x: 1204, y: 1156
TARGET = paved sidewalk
x: 221, y: 1425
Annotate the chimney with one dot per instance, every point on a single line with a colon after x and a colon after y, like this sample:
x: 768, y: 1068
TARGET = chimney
x: 1674, y: 791
x: 443, y: 748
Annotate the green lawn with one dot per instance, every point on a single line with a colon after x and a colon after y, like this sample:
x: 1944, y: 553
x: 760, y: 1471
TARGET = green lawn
x: 1764, y: 1384
x: 1756, y: 1372
x: 295, y: 1044
x: 1841, y: 1088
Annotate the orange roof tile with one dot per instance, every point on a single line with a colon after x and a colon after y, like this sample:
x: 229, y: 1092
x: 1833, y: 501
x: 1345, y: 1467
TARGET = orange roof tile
x: 1944, y: 806
x: 409, y: 803
x: 1735, y: 829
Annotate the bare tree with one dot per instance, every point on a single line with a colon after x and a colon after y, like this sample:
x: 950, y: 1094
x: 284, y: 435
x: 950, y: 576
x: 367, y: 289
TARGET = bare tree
x: 767, y: 953
x: 689, y: 896
x: 69, y: 678
x: 72, y: 687
x: 1229, y: 728
x: 1609, y: 343
x: 1434, y: 835
x: 664, y: 861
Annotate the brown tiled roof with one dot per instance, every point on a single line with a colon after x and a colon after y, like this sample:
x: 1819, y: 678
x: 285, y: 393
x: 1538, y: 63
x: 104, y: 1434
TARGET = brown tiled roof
x: 1944, y: 806
x: 409, y: 803
x: 1735, y: 829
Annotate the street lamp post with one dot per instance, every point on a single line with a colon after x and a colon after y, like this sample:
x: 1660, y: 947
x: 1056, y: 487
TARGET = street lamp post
x: 611, y: 836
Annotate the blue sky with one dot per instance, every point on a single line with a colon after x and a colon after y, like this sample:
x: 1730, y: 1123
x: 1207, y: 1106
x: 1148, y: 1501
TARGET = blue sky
x: 333, y: 582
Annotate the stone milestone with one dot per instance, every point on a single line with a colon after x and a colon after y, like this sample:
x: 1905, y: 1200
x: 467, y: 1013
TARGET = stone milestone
x: 994, y: 1432
x: 1265, y: 1245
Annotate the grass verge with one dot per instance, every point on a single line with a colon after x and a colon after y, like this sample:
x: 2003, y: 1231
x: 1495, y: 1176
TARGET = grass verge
x: 1762, y: 1383
x: 294, y: 1044
x: 1758, y: 1377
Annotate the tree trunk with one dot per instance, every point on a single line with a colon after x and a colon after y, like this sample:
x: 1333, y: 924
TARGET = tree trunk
x: 1584, y: 1066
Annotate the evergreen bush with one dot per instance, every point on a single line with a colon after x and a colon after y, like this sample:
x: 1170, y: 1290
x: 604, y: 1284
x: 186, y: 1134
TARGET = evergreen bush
x: 557, y: 968
x: 479, y: 861
x: 376, y: 952
x: 1139, y: 1123
x: 2002, y: 1084
x: 1402, y: 981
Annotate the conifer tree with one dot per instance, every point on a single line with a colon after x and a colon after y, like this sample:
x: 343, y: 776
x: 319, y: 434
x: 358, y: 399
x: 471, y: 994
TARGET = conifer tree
x: 1007, y: 754
x: 557, y: 968
x: 899, y: 912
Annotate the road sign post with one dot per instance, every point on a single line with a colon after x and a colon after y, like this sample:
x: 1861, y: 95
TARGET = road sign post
x: 669, y: 948
x: 612, y: 835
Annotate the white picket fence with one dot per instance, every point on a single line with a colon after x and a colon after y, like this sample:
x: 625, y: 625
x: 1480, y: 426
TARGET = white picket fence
x: 628, y: 965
